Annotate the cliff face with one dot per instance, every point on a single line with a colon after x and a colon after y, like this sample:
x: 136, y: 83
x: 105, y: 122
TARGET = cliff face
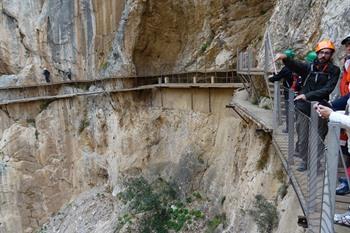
x: 60, y: 150
x: 62, y: 36
x: 90, y: 39
x: 71, y: 151
x: 301, y: 24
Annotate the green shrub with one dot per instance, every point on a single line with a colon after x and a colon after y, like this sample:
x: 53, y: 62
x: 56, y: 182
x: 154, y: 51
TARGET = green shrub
x: 215, y: 222
x: 158, y: 203
x: 204, y: 47
x: 104, y: 65
x: 265, y: 215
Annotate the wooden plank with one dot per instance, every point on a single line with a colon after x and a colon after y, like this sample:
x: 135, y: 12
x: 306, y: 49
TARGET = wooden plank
x: 341, y: 229
x: 343, y: 199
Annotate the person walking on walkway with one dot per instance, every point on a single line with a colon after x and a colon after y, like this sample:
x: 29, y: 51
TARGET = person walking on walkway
x: 319, y: 79
x: 340, y: 103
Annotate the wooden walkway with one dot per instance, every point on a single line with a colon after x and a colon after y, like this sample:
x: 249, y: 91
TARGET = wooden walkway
x: 146, y: 87
x: 223, y: 74
x: 52, y: 91
x: 261, y: 117
x: 264, y: 120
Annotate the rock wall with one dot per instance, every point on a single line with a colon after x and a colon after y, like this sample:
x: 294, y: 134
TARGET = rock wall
x: 89, y: 39
x: 58, y: 152
x: 301, y: 24
x: 53, y: 153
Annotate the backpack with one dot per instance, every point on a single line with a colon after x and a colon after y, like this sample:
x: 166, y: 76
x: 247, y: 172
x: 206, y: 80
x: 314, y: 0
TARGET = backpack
x: 296, y: 83
x: 330, y: 67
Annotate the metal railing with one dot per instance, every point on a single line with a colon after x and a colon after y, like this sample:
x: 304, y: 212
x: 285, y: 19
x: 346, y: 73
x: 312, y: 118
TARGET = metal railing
x: 86, y: 87
x: 312, y: 161
x: 248, y: 69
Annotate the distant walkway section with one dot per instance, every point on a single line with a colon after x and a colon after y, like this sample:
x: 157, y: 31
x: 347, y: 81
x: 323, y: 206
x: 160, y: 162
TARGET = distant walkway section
x: 70, y: 89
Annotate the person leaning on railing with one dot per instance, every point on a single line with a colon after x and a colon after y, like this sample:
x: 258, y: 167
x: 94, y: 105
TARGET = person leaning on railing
x: 344, y: 121
x: 340, y: 103
x: 319, y: 79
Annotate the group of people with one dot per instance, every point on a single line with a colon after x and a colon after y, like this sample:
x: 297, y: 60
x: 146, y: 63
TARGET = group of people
x: 313, y: 81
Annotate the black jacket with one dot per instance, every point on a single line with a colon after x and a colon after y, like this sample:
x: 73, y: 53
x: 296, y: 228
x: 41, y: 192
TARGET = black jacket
x: 317, y: 83
x: 284, y: 74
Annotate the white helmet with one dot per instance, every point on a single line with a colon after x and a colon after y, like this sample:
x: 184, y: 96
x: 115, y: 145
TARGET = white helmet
x: 346, y: 39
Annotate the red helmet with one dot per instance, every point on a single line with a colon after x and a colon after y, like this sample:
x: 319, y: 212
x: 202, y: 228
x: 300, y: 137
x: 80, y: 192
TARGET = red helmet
x: 325, y: 44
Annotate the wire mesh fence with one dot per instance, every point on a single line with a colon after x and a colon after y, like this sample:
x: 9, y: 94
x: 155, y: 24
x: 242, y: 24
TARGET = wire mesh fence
x: 312, y: 159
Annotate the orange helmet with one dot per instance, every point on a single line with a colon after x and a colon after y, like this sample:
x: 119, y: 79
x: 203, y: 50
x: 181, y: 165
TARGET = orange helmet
x: 325, y: 44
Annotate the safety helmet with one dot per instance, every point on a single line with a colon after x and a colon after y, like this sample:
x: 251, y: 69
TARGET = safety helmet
x: 311, y: 56
x: 325, y: 44
x: 289, y: 53
x: 346, y: 39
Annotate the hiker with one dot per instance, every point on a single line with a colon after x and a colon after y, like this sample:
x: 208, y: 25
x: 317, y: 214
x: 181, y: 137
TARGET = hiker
x: 290, y: 81
x: 46, y: 74
x: 340, y: 103
x: 344, y: 121
x: 319, y: 79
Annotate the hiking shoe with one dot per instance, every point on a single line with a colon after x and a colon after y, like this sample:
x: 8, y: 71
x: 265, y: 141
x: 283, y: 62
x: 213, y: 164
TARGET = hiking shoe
x: 302, y: 167
x: 342, y: 189
x: 342, y: 180
x: 342, y: 219
x: 338, y: 217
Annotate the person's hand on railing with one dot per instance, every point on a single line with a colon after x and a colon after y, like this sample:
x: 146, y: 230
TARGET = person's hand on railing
x: 323, y: 111
x: 300, y: 97
x: 271, y: 78
x: 280, y: 56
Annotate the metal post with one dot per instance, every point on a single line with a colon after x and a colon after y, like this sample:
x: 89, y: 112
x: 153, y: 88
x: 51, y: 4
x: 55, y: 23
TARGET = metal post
x: 226, y: 65
x: 209, y: 99
x: 312, y: 159
x: 291, y: 120
x: 214, y: 71
x: 192, y: 99
x: 248, y: 63
x: 330, y: 179
x: 276, y: 105
x: 238, y: 62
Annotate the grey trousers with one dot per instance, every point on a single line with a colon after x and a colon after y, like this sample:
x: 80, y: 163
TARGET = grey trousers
x: 302, y: 128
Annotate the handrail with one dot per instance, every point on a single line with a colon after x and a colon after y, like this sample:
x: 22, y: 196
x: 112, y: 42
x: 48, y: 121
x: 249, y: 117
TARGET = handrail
x: 216, y: 80
x: 83, y: 81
